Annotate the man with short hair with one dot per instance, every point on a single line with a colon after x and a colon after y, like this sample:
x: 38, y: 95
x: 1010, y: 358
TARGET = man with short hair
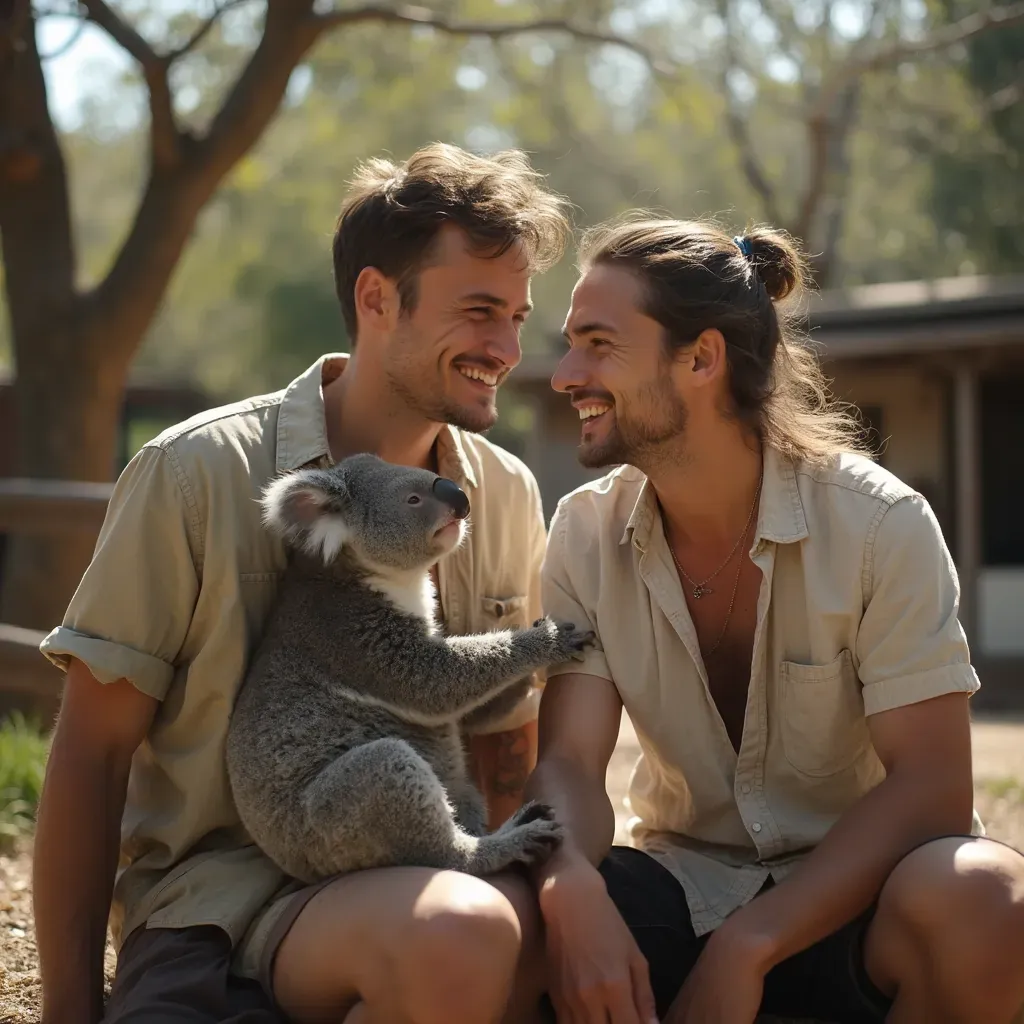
x: 433, y: 261
x: 777, y: 614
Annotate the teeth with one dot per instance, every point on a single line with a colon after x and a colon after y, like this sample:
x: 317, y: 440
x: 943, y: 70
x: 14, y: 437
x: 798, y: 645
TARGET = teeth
x: 589, y: 411
x: 473, y: 373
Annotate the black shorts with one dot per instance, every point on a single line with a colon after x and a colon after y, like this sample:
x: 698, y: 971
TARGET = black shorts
x: 826, y: 982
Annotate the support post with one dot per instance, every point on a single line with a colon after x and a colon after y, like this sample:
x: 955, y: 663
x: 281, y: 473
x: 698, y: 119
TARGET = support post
x: 967, y: 480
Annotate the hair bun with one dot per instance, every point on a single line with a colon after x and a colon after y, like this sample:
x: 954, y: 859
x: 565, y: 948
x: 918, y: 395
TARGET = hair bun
x: 777, y: 260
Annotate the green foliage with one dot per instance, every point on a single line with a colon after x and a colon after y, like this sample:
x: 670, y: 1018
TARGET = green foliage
x: 931, y: 185
x: 23, y: 752
x: 976, y: 193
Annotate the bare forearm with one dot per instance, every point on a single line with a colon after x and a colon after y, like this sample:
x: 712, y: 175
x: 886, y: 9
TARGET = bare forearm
x: 846, y: 871
x: 74, y: 863
x: 581, y: 805
x: 501, y: 764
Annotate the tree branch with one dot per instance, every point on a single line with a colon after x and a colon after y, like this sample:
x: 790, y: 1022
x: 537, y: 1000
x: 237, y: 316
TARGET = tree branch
x: 134, y: 286
x: 1005, y: 97
x: 425, y: 18
x: 737, y: 125
x: 102, y: 15
x: 204, y: 29
x: 35, y: 216
x: 165, y: 139
x: 67, y: 44
x: 827, y: 189
x: 892, y: 53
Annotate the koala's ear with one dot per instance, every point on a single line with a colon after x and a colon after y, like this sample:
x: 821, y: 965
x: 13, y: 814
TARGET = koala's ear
x: 303, y: 511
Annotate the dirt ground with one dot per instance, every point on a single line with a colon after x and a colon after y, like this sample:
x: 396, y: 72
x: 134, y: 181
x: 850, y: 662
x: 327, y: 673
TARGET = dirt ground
x: 999, y: 772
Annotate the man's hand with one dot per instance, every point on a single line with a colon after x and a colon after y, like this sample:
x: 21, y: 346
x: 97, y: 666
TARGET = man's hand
x: 726, y: 984
x: 597, y: 974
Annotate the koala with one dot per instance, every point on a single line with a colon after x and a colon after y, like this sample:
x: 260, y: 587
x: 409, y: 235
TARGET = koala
x: 344, y: 749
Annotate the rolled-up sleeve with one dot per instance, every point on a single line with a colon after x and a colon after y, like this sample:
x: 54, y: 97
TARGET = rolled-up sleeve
x: 132, y: 610
x: 910, y: 644
x: 561, y: 599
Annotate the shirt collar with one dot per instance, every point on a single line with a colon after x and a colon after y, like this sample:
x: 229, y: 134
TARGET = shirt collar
x: 302, y: 426
x: 452, y: 461
x: 780, y: 519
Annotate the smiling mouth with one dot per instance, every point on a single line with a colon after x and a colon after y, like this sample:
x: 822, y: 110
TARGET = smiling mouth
x: 483, y: 378
x: 591, y: 414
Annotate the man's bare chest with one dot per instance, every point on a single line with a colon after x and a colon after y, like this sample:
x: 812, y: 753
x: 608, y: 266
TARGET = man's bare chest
x: 726, y: 622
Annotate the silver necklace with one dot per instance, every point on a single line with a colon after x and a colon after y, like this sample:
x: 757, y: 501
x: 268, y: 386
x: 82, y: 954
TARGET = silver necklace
x: 701, y: 589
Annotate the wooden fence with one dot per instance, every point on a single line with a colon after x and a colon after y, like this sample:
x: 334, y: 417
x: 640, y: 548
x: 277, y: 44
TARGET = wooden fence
x: 41, y: 507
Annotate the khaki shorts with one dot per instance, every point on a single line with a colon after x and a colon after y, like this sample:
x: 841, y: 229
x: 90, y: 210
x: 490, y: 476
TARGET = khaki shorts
x: 171, y: 975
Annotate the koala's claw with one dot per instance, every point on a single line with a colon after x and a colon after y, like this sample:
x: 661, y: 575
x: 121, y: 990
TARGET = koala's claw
x: 567, y: 641
x: 537, y: 841
x: 574, y: 642
x: 533, y: 810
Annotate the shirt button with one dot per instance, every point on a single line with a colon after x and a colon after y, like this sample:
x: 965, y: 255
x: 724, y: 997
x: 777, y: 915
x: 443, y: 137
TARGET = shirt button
x: 756, y: 826
x: 745, y: 788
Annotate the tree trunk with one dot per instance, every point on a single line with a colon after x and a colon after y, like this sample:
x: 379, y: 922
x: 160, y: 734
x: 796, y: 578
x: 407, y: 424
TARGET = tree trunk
x: 55, y: 436
x: 73, y: 350
x: 66, y: 419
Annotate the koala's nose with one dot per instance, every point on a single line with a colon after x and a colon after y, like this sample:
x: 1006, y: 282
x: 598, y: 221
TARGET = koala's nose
x: 452, y: 495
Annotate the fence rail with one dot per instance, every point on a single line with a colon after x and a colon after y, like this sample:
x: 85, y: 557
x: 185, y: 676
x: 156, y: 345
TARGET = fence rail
x: 41, y: 507
x: 52, y: 506
x: 23, y: 670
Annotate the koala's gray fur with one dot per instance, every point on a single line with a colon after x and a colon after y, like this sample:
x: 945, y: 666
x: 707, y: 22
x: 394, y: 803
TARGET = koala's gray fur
x: 344, y: 747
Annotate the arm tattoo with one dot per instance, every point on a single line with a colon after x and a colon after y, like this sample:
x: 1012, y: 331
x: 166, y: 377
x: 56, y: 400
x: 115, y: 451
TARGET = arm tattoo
x: 511, y: 763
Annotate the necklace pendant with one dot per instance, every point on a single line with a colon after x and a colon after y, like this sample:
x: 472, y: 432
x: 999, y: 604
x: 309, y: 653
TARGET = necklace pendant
x: 700, y: 590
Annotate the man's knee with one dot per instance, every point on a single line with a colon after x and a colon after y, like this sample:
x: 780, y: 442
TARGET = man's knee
x: 412, y: 943
x: 459, y: 962
x: 957, y: 880
x: 960, y: 902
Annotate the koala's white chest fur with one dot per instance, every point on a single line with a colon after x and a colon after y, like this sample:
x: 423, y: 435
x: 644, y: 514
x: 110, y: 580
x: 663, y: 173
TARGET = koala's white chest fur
x: 411, y: 593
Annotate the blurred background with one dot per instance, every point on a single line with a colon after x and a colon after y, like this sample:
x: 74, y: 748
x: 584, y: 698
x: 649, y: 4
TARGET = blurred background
x: 170, y: 173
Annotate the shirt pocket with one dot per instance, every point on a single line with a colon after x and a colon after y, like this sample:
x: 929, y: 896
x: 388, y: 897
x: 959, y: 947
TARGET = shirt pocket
x: 824, y: 730
x: 504, y: 612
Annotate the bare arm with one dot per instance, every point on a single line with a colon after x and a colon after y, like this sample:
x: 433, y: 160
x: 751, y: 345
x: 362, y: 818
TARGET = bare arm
x: 501, y: 763
x: 596, y: 970
x: 926, y: 750
x: 77, y: 838
x: 578, y: 729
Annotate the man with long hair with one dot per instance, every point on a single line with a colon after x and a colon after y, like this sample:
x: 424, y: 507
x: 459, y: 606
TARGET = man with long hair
x: 777, y: 614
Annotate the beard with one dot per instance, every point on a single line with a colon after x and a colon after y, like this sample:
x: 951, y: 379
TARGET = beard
x: 643, y: 427
x: 423, y: 390
x: 437, y: 407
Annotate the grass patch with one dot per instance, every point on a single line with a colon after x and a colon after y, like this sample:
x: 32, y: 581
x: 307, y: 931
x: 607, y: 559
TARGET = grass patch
x: 1006, y: 788
x: 23, y: 749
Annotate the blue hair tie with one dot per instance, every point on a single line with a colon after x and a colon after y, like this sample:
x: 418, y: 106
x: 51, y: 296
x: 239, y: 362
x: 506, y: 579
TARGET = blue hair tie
x: 744, y: 245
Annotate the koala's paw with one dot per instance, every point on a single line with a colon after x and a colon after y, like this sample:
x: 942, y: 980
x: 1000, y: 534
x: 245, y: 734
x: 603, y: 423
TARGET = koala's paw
x: 532, y: 810
x: 535, y: 834
x: 567, y: 641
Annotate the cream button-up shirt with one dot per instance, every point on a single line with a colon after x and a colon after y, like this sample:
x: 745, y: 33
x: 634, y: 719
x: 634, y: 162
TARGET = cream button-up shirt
x: 182, y: 578
x: 857, y: 614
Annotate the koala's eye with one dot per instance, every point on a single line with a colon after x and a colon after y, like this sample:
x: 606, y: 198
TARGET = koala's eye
x: 413, y: 499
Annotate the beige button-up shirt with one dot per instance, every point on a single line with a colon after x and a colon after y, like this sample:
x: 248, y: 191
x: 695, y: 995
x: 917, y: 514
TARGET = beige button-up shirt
x: 857, y: 614
x: 181, y: 581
